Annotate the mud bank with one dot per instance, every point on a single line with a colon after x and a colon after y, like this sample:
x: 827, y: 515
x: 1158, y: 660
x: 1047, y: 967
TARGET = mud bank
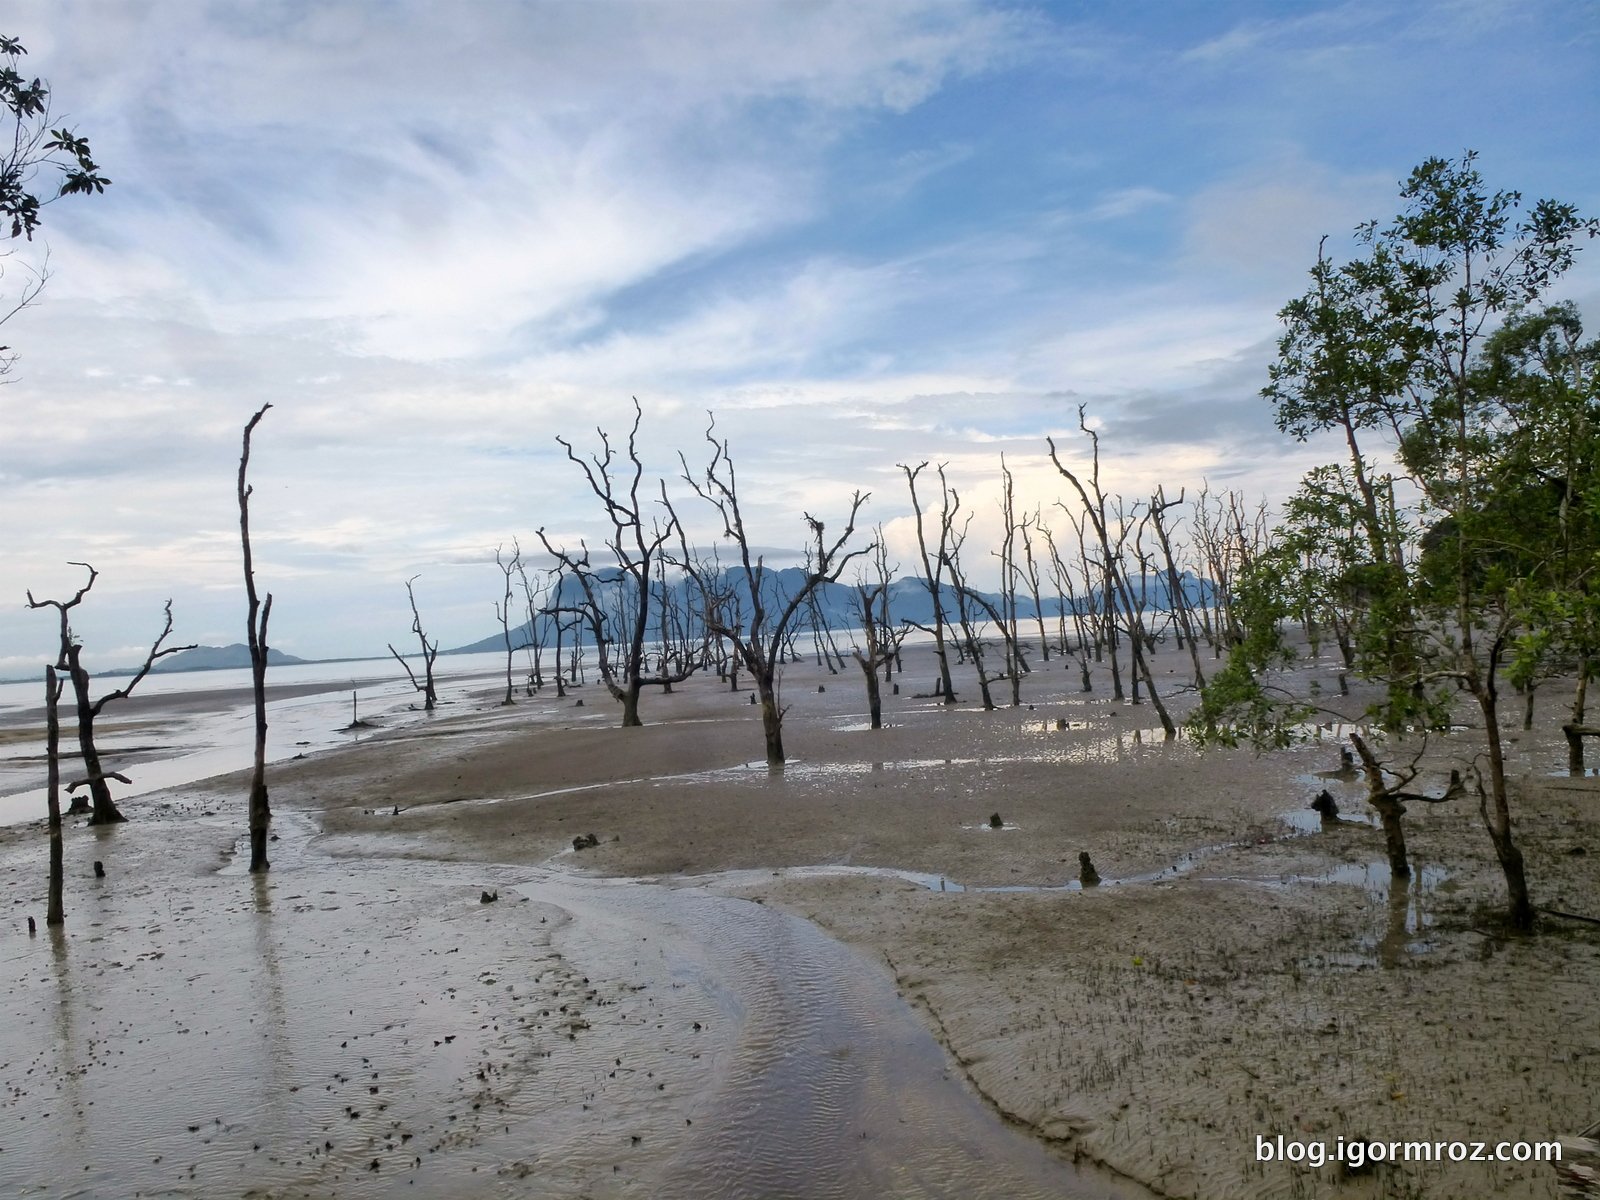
x: 1242, y: 972
x: 373, y: 1027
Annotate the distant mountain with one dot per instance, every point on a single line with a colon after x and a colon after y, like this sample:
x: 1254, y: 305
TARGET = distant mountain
x: 221, y: 658
x: 909, y: 600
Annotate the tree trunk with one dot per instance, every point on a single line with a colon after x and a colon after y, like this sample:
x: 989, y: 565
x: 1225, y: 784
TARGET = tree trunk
x: 260, y: 809
x: 630, y: 704
x: 55, y: 913
x: 1579, y: 704
x: 1390, y: 811
x: 1496, y: 810
x: 1111, y: 648
x: 1142, y: 664
x: 257, y: 614
x: 771, y: 721
x: 105, y: 811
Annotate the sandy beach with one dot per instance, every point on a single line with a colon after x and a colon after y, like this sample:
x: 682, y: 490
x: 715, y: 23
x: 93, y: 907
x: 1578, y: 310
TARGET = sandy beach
x: 839, y: 980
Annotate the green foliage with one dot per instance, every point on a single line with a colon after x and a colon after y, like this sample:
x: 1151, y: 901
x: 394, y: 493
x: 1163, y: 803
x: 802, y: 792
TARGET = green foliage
x: 1237, y: 706
x: 35, y: 147
x: 1431, y: 341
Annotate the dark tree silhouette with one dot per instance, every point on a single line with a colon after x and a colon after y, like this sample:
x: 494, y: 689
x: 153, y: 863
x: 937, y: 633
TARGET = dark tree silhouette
x: 620, y: 596
x: 740, y: 606
x: 430, y: 651
x: 69, y: 661
x: 256, y: 616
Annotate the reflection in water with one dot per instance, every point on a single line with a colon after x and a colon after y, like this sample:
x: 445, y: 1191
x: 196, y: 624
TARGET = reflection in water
x: 280, y: 1053
x: 67, y: 1067
x: 368, y: 1028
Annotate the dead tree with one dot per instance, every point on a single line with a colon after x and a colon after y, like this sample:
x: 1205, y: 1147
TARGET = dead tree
x: 535, y: 593
x: 1115, y: 575
x: 1177, y: 599
x: 635, y: 547
x: 430, y: 651
x: 967, y: 600
x: 69, y: 662
x: 758, y: 640
x: 1214, y: 565
x: 553, y: 613
x: 1067, y: 604
x: 502, y: 609
x: 933, y: 574
x: 883, y: 638
x: 1009, y: 570
x: 256, y: 617
x: 1102, y: 611
x: 1030, y: 572
x: 55, y: 911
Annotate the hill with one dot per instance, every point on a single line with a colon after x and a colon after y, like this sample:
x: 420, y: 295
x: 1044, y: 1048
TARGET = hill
x: 222, y: 658
x: 909, y: 600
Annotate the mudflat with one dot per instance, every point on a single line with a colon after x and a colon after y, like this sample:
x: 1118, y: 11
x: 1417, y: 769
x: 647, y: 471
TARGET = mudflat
x: 1242, y: 971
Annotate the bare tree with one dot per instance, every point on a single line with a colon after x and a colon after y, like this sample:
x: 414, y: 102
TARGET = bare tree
x: 1177, y: 598
x: 1016, y: 667
x: 620, y: 652
x: 758, y: 640
x: 883, y: 638
x: 69, y: 661
x: 1099, y: 603
x: 933, y: 572
x: 967, y: 600
x: 554, y: 613
x: 1030, y: 572
x: 1115, y: 574
x: 1069, y: 606
x: 502, y: 608
x: 430, y: 651
x: 256, y: 617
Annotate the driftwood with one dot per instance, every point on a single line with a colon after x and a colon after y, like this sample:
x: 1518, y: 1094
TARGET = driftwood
x: 1579, y: 1169
x: 1556, y: 912
x: 90, y: 780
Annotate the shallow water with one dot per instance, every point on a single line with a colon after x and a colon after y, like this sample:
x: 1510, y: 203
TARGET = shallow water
x: 369, y: 1027
x: 215, y: 743
x: 166, y: 749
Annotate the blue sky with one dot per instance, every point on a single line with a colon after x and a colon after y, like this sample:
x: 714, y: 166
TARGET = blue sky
x: 436, y: 236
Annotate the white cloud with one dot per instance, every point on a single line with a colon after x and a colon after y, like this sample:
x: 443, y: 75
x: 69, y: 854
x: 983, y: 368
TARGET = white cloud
x: 437, y: 238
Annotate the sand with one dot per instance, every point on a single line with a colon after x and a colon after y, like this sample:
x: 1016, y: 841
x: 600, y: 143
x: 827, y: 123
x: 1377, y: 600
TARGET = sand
x: 1241, y: 972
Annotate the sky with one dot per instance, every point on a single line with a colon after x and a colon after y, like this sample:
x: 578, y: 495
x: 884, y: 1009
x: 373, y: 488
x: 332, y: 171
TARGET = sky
x: 437, y: 236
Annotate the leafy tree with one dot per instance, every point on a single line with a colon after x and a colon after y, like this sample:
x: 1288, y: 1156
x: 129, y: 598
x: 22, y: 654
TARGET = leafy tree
x: 1549, y: 444
x: 35, y: 158
x: 1421, y: 343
